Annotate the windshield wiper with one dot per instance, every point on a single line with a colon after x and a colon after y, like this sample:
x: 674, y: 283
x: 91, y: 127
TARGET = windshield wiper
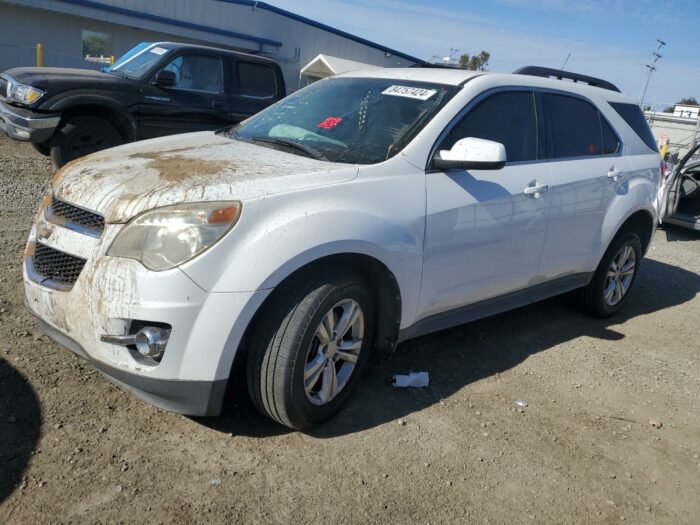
x: 311, y: 152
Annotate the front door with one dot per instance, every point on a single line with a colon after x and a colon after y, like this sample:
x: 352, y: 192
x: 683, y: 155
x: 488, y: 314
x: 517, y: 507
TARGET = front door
x: 197, y: 101
x: 485, y: 230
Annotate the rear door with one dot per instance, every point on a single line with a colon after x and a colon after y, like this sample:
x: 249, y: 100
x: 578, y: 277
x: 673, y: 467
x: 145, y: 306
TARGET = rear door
x: 255, y: 87
x: 587, y: 170
x: 198, y: 101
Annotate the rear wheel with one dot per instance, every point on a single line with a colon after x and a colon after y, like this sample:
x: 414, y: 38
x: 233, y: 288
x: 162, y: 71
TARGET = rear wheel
x: 614, y: 277
x: 80, y: 136
x: 309, y: 347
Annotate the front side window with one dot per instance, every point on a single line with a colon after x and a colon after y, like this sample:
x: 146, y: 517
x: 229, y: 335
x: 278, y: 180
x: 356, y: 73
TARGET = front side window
x: 578, y: 129
x: 197, y: 73
x: 350, y: 120
x: 509, y: 118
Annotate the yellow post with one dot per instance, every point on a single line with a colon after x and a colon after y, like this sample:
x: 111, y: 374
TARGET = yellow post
x: 39, y: 55
x: 112, y: 60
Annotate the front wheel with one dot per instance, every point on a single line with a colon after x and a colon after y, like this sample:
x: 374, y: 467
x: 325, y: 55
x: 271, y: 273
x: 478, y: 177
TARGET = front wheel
x: 80, y: 136
x: 614, y: 277
x: 309, y: 347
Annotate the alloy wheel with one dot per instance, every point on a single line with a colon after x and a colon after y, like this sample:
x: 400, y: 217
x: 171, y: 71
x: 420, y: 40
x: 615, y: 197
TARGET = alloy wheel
x: 334, y: 351
x: 620, y: 275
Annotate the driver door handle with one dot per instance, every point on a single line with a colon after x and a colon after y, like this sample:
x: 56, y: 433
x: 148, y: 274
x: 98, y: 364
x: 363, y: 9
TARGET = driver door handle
x: 535, y: 190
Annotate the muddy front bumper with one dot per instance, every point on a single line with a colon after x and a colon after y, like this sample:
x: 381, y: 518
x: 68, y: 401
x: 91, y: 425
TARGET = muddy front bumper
x: 26, y: 125
x: 196, y: 398
x: 111, y: 294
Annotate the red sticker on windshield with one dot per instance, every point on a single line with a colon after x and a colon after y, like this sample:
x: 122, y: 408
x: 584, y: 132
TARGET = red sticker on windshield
x: 330, y: 122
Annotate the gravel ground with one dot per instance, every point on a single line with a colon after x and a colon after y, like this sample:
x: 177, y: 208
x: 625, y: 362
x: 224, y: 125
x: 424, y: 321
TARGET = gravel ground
x: 74, y: 448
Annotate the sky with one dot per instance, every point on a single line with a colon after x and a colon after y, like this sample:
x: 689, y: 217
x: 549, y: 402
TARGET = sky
x: 611, y: 39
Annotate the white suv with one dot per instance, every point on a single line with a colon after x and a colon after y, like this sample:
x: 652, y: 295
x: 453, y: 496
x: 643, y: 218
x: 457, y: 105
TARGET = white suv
x: 361, y: 211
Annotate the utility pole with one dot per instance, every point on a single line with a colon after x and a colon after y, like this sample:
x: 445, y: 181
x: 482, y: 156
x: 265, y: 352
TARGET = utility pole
x: 652, y: 68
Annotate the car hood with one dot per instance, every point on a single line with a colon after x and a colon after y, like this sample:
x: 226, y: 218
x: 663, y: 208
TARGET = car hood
x: 122, y: 182
x: 44, y: 76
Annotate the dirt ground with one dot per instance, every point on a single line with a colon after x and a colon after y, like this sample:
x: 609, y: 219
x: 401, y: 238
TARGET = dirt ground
x: 74, y: 448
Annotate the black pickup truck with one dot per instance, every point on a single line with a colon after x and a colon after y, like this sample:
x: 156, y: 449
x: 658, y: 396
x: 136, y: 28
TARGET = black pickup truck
x: 153, y: 90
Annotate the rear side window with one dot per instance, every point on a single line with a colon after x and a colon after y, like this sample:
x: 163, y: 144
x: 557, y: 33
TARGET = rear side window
x: 509, y: 118
x: 611, y: 144
x: 256, y: 80
x: 578, y: 129
x: 635, y: 118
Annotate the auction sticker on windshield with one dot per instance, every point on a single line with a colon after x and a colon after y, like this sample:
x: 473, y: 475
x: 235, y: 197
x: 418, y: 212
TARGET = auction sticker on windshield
x: 159, y: 50
x: 409, y: 92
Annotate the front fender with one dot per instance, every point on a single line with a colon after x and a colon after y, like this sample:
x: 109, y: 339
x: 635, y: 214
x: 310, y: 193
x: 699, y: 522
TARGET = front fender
x: 272, y: 241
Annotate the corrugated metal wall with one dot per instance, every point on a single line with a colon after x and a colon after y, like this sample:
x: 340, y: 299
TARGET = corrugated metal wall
x: 58, y: 25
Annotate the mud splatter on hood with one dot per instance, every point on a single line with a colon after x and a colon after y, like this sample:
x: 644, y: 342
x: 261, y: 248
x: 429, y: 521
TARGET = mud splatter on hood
x: 122, y: 182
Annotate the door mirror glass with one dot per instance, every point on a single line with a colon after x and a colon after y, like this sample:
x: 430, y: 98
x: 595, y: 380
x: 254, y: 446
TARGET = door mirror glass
x: 165, y: 78
x: 472, y: 153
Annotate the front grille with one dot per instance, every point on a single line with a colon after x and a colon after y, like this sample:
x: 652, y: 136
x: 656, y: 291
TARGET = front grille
x: 57, y: 265
x: 4, y: 86
x: 74, y: 215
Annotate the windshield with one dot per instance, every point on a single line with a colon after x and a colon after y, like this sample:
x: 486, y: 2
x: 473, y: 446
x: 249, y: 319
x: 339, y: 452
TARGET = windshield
x: 135, y: 62
x: 351, y: 120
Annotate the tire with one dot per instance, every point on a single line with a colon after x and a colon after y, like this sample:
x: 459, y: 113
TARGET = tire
x: 42, y: 147
x: 595, y: 298
x: 286, y: 344
x: 80, y: 136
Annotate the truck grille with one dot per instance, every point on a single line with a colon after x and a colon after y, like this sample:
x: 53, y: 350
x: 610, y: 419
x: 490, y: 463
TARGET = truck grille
x: 57, y: 265
x: 77, y: 216
x: 4, y: 87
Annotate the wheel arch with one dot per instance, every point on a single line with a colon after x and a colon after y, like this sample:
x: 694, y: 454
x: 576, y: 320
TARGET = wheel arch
x: 642, y: 223
x: 99, y: 107
x: 383, y: 286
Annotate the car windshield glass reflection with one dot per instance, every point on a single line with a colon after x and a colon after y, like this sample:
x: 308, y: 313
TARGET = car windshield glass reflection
x: 350, y: 120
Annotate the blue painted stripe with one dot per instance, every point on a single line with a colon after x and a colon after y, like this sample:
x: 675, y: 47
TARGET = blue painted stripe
x: 319, y: 25
x: 172, y: 21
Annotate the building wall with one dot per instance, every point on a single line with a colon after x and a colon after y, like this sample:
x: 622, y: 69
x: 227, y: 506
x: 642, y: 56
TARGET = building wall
x: 680, y: 131
x: 58, y: 25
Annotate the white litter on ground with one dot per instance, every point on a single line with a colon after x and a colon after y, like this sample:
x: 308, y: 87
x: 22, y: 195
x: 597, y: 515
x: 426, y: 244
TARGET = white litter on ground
x: 412, y: 380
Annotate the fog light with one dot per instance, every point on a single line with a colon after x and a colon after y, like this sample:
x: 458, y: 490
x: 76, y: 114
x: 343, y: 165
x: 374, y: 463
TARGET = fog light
x: 149, y: 341
x: 21, y: 133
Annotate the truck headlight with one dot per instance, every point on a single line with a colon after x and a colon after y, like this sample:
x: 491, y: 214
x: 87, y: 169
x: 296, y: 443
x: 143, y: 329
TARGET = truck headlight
x: 25, y: 94
x: 167, y: 237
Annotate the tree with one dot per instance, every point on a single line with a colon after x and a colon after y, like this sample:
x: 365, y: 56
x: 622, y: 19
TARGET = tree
x: 478, y: 62
x: 687, y: 101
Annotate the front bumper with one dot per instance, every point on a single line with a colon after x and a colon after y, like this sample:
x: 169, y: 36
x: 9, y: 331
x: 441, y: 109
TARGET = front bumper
x: 110, y: 293
x: 26, y: 125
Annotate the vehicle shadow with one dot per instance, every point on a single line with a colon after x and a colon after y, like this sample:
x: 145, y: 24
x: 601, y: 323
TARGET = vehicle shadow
x: 20, y: 427
x: 678, y: 233
x: 471, y: 352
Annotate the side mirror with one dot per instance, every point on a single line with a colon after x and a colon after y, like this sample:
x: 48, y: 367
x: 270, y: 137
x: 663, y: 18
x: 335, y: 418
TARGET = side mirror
x: 165, y: 78
x: 472, y: 153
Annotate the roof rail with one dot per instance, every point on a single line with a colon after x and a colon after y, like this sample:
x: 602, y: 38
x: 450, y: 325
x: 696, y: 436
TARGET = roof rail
x: 560, y: 74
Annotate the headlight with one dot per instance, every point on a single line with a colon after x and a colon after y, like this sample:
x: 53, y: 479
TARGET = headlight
x: 25, y: 94
x: 167, y: 237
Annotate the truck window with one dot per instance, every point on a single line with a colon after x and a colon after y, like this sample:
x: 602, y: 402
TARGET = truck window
x: 256, y: 80
x: 197, y: 73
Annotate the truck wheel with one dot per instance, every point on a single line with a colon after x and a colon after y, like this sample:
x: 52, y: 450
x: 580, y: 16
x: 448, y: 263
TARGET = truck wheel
x: 81, y: 136
x: 42, y: 147
x: 614, y: 277
x: 309, y: 347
